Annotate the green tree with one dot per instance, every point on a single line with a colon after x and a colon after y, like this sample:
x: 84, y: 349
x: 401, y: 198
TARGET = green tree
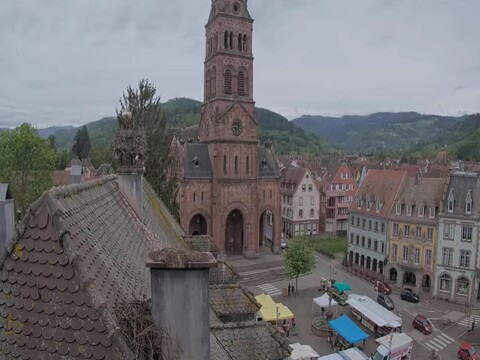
x: 51, y: 141
x: 27, y: 163
x: 63, y: 158
x: 81, y: 147
x: 147, y: 115
x: 299, y: 259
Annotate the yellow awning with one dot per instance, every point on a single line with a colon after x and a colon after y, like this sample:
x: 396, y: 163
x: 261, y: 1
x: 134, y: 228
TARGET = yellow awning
x: 264, y: 299
x: 275, y: 312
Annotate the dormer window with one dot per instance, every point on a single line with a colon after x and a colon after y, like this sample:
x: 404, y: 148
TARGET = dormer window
x: 421, y: 210
x: 409, y: 210
x: 398, y: 209
x: 432, y: 212
x: 369, y: 203
x: 451, y: 201
x: 359, y: 202
x: 196, y: 162
x: 378, y: 206
x: 468, y: 203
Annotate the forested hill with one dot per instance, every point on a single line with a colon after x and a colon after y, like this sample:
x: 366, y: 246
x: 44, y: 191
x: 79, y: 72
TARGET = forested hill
x: 379, y: 131
x: 287, y: 137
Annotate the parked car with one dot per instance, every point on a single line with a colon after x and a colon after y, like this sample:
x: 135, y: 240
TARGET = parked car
x: 423, y: 324
x: 467, y: 352
x: 409, y: 295
x: 385, y: 301
x: 283, y: 243
x: 382, y: 287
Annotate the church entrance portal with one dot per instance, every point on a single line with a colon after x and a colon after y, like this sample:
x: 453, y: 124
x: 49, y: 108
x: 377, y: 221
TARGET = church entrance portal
x: 198, y: 225
x: 266, y: 228
x: 234, y: 233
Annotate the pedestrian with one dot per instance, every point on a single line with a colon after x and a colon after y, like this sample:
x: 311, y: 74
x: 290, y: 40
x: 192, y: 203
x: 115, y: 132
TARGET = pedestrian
x: 289, y: 289
x: 284, y: 325
x: 288, y: 329
x: 293, y: 323
x: 293, y: 289
x: 473, y: 325
x: 323, y: 311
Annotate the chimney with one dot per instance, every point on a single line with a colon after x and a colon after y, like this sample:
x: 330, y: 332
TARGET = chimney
x: 180, y: 298
x: 7, y: 218
x: 129, y: 146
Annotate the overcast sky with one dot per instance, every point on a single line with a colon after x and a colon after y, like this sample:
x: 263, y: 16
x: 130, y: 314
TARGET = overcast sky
x: 68, y: 61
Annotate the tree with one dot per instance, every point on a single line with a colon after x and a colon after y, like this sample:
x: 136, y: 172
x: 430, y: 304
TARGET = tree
x: 63, y: 158
x: 299, y: 259
x: 147, y: 115
x: 51, y: 141
x: 81, y: 147
x: 27, y: 163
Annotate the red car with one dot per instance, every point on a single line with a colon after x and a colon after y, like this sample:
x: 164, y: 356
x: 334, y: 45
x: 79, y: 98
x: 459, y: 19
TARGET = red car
x: 382, y: 287
x: 423, y: 324
x: 467, y: 352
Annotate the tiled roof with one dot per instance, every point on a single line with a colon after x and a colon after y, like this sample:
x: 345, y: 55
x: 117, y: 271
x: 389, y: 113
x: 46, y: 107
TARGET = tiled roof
x: 461, y: 183
x: 227, y: 300
x: 291, y: 179
x: 82, y: 251
x: 383, y: 185
x: 61, y: 177
x: 223, y: 274
x: 331, y: 169
x: 202, y: 243
x: 251, y: 340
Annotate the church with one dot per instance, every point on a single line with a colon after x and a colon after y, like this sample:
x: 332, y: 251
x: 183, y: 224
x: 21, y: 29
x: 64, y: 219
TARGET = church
x: 229, y: 184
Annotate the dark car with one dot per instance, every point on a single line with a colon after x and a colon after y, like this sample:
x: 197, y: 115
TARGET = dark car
x: 423, y: 324
x: 409, y: 295
x: 467, y: 352
x: 382, y: 287
x: 385, y: 301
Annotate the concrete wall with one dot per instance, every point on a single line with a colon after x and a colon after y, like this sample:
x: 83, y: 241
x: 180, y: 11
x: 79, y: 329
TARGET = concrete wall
x: 180, y: 304
x: 7, y: 224
x: 131, y: 186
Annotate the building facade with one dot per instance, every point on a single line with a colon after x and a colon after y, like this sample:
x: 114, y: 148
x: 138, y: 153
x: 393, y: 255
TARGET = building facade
x: 413, y: 233
x: 457, y: 259
x: 228, y: 182
x: 368, y: 225
x: 300, y: 202
x: 338, y: 188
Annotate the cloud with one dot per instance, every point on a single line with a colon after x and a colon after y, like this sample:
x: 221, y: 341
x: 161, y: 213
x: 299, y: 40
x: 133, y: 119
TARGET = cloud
x: 68, y: 62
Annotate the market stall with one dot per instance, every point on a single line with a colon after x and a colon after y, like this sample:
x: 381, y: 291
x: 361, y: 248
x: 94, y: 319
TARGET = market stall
x: 303, y: 352
x: 322, y: 302
x: 346, y: 333
x: 338, y: 292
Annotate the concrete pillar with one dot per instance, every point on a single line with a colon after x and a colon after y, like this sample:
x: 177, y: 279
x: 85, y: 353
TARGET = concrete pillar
x: 130, y: 182
x: 180, y: 298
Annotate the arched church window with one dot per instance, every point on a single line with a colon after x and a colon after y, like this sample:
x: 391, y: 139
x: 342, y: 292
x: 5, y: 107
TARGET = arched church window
x: 215, y: 42
x: 213, y: 82
x: 225, y: 39
x: 244, y: 46
x: 247, y: 165
x: 194, y: 195
x: 236, y: 164
x: 240, y: 42
x: 225, y: 164
x: 241, y: 83
x: 208, y: 84
x: 228, y: 81
x: 231, y: 40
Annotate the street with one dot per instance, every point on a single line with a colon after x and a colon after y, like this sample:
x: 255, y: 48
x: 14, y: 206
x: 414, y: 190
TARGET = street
x: 444, y: 339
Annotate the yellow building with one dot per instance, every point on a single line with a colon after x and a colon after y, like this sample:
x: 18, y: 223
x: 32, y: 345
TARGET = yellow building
x: 413, y: 233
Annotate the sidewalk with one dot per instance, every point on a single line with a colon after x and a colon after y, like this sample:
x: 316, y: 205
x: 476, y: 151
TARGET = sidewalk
x: 472, y: 337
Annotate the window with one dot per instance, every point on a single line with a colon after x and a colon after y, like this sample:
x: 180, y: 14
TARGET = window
x: 231, y: 40
x: 468, y: 203
x: 213, y: 82
x: 363, y: 241
x: 369, y: 240
x: 304, y: 188
x: 383, y: 227
x: 377, y: 206
x: 418, y: 232
x: 409, y: 210
x: 352, y: 220
x: 241, y: 83
x: 375, y: 245
x: 416, y: 256
x: 358, y: 222
x: 445, y: 282
x: 466, y: 233
x: 310, y: 187
x: 394, y: 251
x: 406, y: 231
x: 429, y: 233
x: 300, y: 201
x: 421, y: 210
x: 244, y: 43
x: 363, y: 223
x: 247, y: 165
x: 351, y: 238
x: 300, y: 213
x: 224, y: 164
x: 451, y: 201
x: 228, y: 82
x: 448, y: 230
x: 465, y: 258
x: 312, y: 200
x: 283, y: 211
x: 405, y: 253
x: 398, y: 209
x: 383, y: 247
x: 428, y: 256
x: 376, y: 226
x: 225, y: 40
x: 239, y: 42
x: 358, y: 240
x: 359, y: 202
x: 447, y: 256
x: 369, y: 224
x: 236, y: 164
x: 312, y: 212
x: 463, y: 285
x: 395, y: 229
x: 431, y: 213
x: 194, y: 196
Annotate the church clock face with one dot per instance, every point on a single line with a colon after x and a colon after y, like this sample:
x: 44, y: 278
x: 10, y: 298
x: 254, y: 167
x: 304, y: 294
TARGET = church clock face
x: 236, y: 127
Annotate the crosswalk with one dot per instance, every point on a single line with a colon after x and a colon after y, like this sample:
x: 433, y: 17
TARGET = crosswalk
x: 269, y: 289
x: 439, y: 342
x: 468, y: 322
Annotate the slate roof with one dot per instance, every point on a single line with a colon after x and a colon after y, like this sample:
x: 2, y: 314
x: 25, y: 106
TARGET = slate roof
x: 291, y: 180
x: 267, y: 166
x: 461, y: 183
x: 202, y: 243
x: 383, y: 185
x: 223, y: 274
x: 227, y: 300
x: 196, y: 161
x: 251, y: 340
x: 5, y: 193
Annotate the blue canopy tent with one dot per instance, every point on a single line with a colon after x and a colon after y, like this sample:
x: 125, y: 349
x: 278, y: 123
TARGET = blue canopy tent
x: 348, y: 330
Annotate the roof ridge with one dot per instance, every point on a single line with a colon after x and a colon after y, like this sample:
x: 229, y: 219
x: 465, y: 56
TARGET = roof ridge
x: 73, y: 189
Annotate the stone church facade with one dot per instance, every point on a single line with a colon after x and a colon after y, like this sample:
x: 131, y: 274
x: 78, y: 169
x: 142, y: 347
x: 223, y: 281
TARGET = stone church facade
x: 229, y: 184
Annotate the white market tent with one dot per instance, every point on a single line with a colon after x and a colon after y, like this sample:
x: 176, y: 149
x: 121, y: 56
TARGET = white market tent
x: 350, y: 354
x: 374, y: 311
x: 303, y: 352
x: 322, y: 301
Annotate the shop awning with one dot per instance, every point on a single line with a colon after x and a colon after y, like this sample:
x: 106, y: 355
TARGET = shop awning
x: 275, y: 312
x: 342, y: 286
x: 264, y: 299
x: 323, y: 301
x: 348, y: 330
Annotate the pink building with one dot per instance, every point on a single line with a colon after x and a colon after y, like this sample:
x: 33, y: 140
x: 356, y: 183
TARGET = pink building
x: 337, y: 188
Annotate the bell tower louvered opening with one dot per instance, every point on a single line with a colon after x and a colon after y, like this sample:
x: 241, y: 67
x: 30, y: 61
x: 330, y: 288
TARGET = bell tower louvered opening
x: 228, y: 82
x: 241, y: 84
